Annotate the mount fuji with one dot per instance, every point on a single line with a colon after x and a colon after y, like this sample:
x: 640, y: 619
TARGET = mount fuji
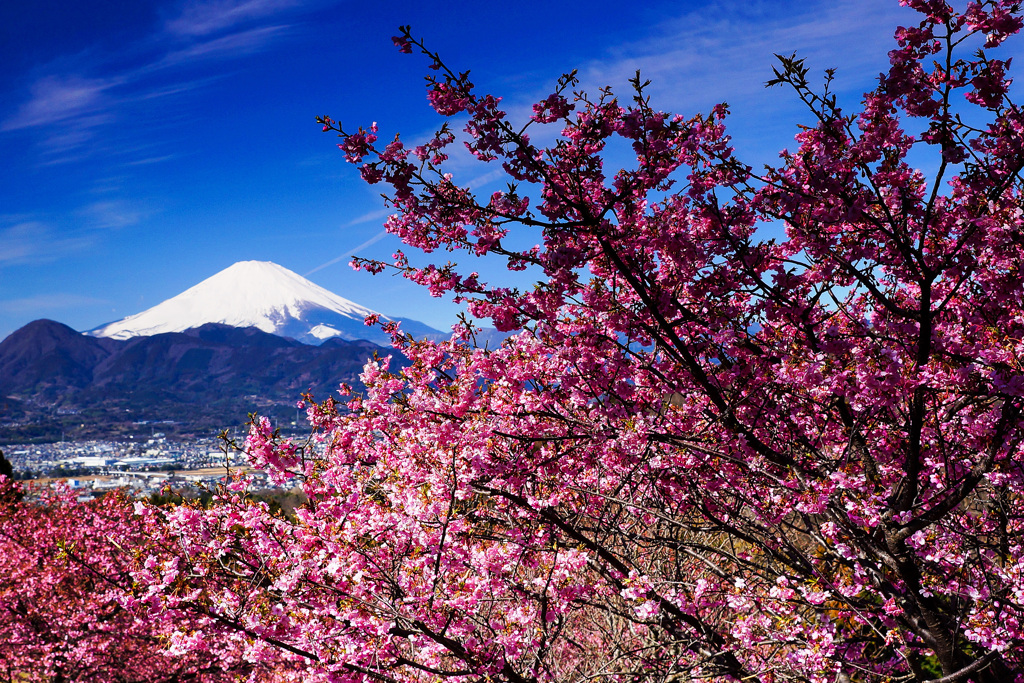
x: 266, y: 296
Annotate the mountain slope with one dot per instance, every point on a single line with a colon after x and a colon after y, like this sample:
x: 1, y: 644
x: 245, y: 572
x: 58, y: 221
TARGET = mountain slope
x: 204, y: 379
x: 45, y: 358
x: 263, y: 295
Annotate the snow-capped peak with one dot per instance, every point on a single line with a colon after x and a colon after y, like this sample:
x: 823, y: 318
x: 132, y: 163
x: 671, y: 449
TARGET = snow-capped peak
x: 252, y: 294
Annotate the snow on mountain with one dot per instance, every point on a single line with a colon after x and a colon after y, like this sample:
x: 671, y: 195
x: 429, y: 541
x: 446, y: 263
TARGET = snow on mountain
x: 322, y: 331
x: 263, y: 295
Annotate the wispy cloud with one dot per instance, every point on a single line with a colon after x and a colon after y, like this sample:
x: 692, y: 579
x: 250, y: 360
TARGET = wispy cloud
x: 49, y: 302
x: 57, y: 98
x: 113, y: 214
x: 351, y: 252
x: 34, y: 241
x: 70, y: 108
x: 232, y: 45
x: 204, y: 18
x: 152, y: 160
x: 369, y: 216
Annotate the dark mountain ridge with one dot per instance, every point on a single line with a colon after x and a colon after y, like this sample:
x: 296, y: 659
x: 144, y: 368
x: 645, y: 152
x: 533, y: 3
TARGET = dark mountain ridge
x: 53, y: 378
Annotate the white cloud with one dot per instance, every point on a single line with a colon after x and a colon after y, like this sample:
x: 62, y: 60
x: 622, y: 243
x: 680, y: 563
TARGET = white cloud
x: 112, y: 214
x: 152, y: 160
x: 202, y: 18
x: 33, y: 241
x: 355, y: 250
x: 49, y: 302
x: 71, y: 110
x: 57, y: 98
x: 231, y: 45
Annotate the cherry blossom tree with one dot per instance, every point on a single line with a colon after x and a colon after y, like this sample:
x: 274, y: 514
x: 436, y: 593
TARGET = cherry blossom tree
x: 702, y: 454
x: 64, y: 582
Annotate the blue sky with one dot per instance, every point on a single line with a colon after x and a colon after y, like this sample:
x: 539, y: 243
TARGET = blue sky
x: 147, y: 145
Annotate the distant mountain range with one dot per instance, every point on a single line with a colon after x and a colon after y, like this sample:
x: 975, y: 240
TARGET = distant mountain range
x: 54, y: 379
